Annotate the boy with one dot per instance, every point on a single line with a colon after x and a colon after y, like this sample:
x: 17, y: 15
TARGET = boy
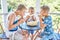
x: 45, y: 24
x: 14, y: 16
x: 14, y: 21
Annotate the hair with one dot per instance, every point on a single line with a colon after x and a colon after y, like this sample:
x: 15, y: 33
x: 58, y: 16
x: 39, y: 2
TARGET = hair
x: 45, y: 8
x: 21, y: 6
x: 31, y: 7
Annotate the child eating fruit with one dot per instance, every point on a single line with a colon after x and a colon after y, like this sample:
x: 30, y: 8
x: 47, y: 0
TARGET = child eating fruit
x: 46, y: 30
x: 14, y: 21
x: 31, y: 20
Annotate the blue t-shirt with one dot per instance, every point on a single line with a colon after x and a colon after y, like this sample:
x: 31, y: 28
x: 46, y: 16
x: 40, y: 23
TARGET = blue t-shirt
x: 48, y: 29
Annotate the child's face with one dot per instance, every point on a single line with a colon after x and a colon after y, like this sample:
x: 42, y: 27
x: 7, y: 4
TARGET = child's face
x: 22, y: 12
x: 44, y: 12
x: 31, y: 11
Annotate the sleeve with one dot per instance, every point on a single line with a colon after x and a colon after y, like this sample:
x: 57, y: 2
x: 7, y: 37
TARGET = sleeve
x: 48, y: 21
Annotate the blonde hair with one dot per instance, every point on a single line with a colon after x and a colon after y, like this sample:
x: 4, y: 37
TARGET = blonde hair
x: 44, y: 7
x: 31, y: 7
x: 21, y: 6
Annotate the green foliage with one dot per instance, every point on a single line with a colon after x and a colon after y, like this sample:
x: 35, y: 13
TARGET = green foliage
x: 53, y: 4
x: 0, y: 4
x: 56, y: 21
x: 14, y: 3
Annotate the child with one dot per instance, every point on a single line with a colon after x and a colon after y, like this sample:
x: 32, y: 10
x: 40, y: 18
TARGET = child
x: 29, y: 18
x: 14, y: 21
x: 45, y: 24
x: 14, y: 16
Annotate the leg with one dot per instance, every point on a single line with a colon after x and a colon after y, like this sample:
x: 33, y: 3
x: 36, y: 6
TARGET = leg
x: 32, y: 32
x: 21, y: 35
x: 25, y: 37
x: 18, y: 36
x: 0, y: 39
x: 36, y: 34
x: 25, y: 34
x: 31, y: 36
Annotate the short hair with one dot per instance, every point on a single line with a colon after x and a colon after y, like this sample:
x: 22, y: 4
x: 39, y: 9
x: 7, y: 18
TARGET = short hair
x: 31, y: 7
x: 21, y: 6
x: 44, y: 7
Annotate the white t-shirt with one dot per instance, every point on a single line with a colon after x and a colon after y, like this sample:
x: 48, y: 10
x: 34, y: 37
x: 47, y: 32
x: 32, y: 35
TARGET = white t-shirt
x: 34, y: 15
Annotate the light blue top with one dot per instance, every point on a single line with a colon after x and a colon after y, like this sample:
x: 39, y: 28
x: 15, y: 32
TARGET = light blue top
x: 48, y: 28
x: 25, y: 27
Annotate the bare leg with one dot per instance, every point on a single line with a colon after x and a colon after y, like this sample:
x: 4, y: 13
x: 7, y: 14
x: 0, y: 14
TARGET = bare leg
x: 36, y: 34
x: 0, y: 39
x: 25, y: 38
x: 26, y: 35
x: 31, y: 36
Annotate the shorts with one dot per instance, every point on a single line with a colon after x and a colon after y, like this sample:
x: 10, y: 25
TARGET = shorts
x: 31, y: 31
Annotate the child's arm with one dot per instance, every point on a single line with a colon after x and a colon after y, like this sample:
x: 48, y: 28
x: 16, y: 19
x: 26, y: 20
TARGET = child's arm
x: 11, y: 20
x: 42, y: 25
x: 27, y: 18
x: 34, y: 19
x: 47, y: 23
x: 37, y: 33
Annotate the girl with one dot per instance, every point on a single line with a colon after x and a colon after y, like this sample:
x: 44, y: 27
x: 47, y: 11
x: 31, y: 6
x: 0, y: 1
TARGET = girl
x: 29, y: 18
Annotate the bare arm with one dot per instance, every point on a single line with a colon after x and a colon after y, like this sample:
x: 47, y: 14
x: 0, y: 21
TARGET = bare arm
x: 27, y: 18
x: 11, y: 20
x: 42, y: 26
x: 33, y: 18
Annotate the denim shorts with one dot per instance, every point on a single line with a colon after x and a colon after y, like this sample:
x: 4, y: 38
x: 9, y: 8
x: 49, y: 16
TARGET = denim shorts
x: 31, y: 31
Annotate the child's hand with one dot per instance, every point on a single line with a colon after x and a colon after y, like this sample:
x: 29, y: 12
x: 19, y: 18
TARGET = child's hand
x: 20, y: 21
x: 33, y: 18
x: 40, y: 16
x: 27, y: 18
